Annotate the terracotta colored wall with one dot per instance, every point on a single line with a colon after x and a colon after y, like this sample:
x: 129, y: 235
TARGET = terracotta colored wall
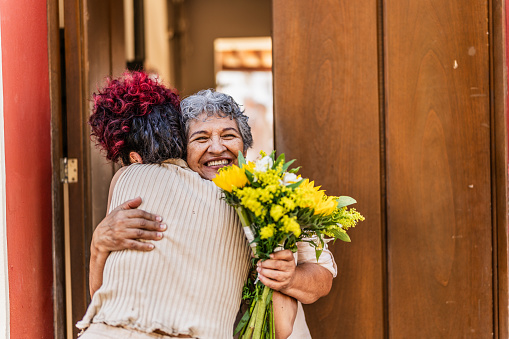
x: 28, y: 166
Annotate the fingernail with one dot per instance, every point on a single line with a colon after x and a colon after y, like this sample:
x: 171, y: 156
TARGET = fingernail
x: 258, y: 269
x: 151, y: 246
x: 271, y: 256
x: 158, y: 218
x: 159, y: 235
x: 162, y: 227
x: 259, y: 264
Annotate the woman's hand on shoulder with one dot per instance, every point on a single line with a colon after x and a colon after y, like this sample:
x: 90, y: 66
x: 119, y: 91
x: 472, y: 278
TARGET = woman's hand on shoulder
x: 125, y: 226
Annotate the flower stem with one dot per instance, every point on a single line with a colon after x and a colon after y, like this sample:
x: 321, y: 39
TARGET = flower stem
x: 260, y: 313
x: 246, y: 226
x: 243, y: 216
x: 251, y: 324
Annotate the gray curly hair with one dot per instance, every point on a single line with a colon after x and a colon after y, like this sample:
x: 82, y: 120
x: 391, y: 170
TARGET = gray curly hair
x: 215, y: 103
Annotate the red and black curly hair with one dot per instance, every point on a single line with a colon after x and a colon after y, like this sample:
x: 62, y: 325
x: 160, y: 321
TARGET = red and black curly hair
x: 137, y: 113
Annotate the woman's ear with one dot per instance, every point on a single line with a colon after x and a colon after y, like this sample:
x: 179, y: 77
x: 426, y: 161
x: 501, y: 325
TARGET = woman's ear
x: 135, y: 158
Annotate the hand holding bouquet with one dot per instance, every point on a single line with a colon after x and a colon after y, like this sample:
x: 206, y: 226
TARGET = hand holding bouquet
x: 277, y: 209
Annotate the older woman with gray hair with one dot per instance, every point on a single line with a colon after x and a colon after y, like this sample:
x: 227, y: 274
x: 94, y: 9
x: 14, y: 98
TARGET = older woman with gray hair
x: 216, y: 130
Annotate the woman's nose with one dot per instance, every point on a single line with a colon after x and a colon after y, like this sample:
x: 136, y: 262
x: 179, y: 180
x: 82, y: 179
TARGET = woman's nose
x: 216, y: 146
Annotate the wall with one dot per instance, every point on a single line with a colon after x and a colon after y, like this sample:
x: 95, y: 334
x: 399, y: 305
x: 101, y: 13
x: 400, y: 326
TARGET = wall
x: 4, y: 277
x: 28, y: 166
x: 206, y: 20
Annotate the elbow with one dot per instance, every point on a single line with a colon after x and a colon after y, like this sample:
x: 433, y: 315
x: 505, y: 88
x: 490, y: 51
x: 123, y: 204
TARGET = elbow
x: 283, y: 332
x: 322, y: 291
x: 309, y: 299
x: 92, y: 289
x: 328, y: 286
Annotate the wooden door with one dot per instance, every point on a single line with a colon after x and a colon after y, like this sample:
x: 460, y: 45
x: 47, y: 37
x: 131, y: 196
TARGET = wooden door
x: 437, y: 78
x: 92, y: 48
x: 400, y: 104
x: 326, y: 116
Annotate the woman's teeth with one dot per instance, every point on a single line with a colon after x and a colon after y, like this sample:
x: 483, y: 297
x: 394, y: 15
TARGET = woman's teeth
x: 217, y: 163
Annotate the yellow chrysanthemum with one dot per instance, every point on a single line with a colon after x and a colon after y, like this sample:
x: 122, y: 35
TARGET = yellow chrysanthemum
x: 249, y: 166
x: 229, y: 177
x: 308, y: 185
x: 267, y: 231
x: 306, y: 195
x: 326, y: 205
x: 312, y: 197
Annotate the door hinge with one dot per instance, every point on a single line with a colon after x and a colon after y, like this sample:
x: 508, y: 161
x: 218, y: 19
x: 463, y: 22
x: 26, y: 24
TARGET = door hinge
x: 69, y: 170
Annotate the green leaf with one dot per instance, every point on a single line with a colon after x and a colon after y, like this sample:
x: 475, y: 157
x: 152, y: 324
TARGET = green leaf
x: 243, y: 322
x: 318, y: 253
x: 295, y: 170
x: 341, y: 235
x: 249, y: 176
x: 242, y: 160
x: 279, y: 159
x: 295, y: 185
x: 285, y: 166
x: 345, y: 201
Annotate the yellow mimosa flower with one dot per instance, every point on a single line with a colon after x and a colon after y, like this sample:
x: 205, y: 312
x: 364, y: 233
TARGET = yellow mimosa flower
x: 267, y: 231
x: 288, y: 203
x: 290, y: 224
x: 229, y: 177
x: 249, y: 198
x: 276, y: 212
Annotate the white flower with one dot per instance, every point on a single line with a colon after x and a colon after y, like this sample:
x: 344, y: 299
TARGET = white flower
x: 264, y: 164
x: 289, y: 178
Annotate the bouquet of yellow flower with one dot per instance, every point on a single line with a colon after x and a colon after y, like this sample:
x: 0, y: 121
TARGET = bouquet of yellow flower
x: 277, y: 209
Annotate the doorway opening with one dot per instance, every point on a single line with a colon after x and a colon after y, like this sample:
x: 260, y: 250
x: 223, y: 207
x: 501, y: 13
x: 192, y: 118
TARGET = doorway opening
x: 172, y: 38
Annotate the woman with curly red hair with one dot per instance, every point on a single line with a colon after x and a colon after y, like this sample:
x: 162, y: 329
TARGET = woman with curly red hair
x: 137, y: 114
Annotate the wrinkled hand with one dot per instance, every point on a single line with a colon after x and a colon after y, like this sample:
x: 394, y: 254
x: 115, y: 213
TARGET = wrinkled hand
x: 278, y: 272
x: 125, y: 226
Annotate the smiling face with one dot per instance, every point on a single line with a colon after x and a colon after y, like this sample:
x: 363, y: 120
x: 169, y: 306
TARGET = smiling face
x: 213, y: 142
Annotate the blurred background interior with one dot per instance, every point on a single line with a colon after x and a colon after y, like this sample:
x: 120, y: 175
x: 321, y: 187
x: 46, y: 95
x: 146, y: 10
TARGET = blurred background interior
x: 194, y: 45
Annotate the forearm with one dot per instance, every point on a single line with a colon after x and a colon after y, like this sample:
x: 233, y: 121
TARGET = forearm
x: 310, y: 283
x: 285, y: 311
x: 97, y: 263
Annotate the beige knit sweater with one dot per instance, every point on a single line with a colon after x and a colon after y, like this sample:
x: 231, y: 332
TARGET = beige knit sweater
x: 191, y: 283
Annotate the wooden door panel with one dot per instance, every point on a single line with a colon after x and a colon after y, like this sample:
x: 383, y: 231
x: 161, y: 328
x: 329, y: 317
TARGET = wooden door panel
x: 106, y: 57
x: 326, y: 116
x: 93, y: 50
x: 75, y: 128
x: 438, y: 169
